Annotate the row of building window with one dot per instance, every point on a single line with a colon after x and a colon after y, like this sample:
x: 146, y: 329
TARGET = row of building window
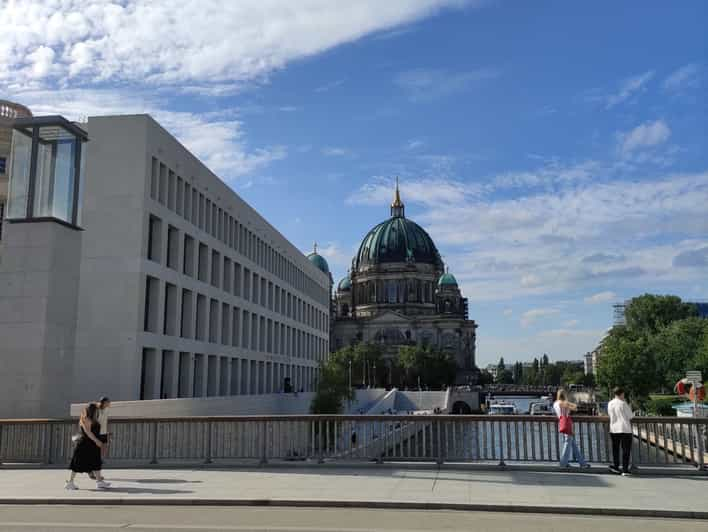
x: 179, y: 196
x: 195, y: 316
x: 207, y: 265
x: 169, y: 374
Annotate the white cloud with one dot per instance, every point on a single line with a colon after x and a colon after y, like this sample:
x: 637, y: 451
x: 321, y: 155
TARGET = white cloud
x: 531, y: 316
x: 628, y: 88
x: 334, y: 151
x: 570, y: 323
x: 329, y: 86
x: 429, y: 84
x: 686, y: 77
x: 414, y: 144
x: 601, y: 297
x: 169, y: 42
x: 643, y: 136
x: 508, y: 312
x: 218, y: 140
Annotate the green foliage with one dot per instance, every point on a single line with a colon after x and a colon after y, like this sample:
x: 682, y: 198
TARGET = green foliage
x: 628, y: 361
x: 435, y: 368
x: 485, y: 378
x: 660, y: 406
x: 649, y: 313
x: 662, y: 339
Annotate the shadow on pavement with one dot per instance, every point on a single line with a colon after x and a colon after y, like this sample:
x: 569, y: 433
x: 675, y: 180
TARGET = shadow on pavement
x: 155, y: 480
x: 140, y: 491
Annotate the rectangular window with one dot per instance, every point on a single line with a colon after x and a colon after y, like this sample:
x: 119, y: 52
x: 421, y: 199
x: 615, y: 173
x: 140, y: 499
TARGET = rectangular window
x: 215, y: 268
x: 201, y: 317
x: 264, y: 292
x: 199, y: 374
x: 152, y: 291
x: 183, y: 380
x: 207, y: 227
x: 188, y: 266
x: 213, y: 321
x: 213, y: 221
x: 224, y: 375
x: 162, y: 193
x: 179, y: 207
x: 256, y: 287
x: 225, y: 324
x: 247, y: 284
x: 186, y: 329
x: 245, y: 329
x: 167, y: 390
x: 171, y: 190
x: 203, y: 263
x: 187, y: 212
x: 148, y: 375
x: 237, y: 279
x: 228, y: 272
x: 170, y: 310
x: 201, y: 211
x: 195, y: 207
x: 212, y: 376
x: 154, y: 250
x: 235, y: 327
x: 172, y: 247
x: 154, y: 179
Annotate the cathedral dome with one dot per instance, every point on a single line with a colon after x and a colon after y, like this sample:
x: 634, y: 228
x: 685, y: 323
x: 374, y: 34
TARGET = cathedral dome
x: 345, y: 284
x: 319, y: 261
x: 447, y: 279
x: 398, y: 239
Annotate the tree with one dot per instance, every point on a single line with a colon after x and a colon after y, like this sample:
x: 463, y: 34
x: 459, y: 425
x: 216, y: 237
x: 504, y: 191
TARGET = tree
x: 485, y: 378
x: 501, y: 366
x: 518, y: 373
x: 333, y: 387
x: 649, y: 313
x: 433, y: 368
x: 628, y: 361
x: 677, y: 348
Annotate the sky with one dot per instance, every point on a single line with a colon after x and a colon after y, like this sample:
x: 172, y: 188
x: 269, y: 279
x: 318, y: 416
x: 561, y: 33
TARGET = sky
x: 555, y: 151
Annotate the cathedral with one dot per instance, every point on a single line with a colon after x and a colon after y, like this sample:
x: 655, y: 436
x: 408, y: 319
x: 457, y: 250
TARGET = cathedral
x: 398, y: 292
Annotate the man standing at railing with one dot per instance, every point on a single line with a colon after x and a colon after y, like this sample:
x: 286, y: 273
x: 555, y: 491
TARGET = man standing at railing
x: 620, y: 431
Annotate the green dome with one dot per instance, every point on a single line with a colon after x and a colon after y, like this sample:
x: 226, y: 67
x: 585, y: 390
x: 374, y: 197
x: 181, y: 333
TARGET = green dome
x: 397, y: 240
x: 345, y: 284
x: 447, y: 279
x: 319, y: 261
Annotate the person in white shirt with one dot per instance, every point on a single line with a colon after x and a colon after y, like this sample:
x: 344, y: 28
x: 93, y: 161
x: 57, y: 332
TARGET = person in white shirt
x: 620, y: 431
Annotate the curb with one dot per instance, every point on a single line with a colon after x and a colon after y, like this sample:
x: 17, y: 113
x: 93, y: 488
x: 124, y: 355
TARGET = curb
x: 390, y: 505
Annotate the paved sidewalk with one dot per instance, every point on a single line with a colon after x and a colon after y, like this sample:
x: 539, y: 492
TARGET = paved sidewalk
x: 560, y: 492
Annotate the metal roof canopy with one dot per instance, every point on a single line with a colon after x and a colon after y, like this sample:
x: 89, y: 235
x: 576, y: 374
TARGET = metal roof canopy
x: 25, y: 124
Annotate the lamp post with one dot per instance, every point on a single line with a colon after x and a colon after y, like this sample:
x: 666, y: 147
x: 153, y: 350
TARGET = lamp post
x: 374, y: 383
x: 350, y: 385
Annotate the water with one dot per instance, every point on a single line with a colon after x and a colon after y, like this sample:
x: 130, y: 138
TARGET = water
x: 521, y: 402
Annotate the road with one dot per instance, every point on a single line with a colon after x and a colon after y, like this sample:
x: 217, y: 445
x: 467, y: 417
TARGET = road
x: 273, y: 519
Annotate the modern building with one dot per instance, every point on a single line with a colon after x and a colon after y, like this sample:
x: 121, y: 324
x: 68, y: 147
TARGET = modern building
x: 399, y: 293
x: 129, y: 269
x: 9, y: 111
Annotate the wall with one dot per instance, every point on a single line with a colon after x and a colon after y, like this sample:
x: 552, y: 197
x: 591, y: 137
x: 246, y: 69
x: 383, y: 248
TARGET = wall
x: 39, y: 277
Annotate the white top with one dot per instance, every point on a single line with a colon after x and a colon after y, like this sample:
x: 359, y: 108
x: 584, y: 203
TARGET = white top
x: 620, y: 416
x: 103, y: 420
x: 558, y: 410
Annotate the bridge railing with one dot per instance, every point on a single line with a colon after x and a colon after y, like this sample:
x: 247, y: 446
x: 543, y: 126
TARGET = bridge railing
x: 658, y: 441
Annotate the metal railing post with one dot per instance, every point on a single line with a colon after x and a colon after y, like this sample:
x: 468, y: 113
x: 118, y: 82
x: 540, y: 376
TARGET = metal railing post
x: 207, y: 458
x: 700, y: 434
x: 154, y: 443
x: 264, y: 453
x: 50, y: 445
x: 439, y: 425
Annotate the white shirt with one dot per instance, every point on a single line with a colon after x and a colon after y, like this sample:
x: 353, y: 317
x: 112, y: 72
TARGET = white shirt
x: 620, y: 416
x: 103, y: 420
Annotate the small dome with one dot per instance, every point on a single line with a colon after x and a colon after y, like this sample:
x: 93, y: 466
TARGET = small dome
x: 447, y: 279
x: 319, y: 261
x: 345, y: 284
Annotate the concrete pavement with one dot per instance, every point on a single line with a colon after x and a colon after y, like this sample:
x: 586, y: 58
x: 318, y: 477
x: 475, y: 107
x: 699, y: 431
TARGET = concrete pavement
x: 383, y: 487
x: 137, y: 519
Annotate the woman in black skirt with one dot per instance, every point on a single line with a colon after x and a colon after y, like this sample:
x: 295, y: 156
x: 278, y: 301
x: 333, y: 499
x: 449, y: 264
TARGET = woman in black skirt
x: 87, y: 453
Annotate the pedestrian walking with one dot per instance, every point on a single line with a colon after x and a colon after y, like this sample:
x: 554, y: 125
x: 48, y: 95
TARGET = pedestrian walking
x: 620, y: 431
x: 104, y: 403
x: 563, y: 409
x: 87, y: 453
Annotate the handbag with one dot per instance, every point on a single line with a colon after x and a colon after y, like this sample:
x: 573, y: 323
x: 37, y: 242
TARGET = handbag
x: 565, y: 423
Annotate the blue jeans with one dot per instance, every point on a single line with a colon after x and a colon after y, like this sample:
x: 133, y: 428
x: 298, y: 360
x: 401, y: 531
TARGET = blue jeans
x: 570, y: 450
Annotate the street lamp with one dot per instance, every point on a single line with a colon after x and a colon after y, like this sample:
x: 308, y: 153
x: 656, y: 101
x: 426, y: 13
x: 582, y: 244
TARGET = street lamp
x: 374, y: 383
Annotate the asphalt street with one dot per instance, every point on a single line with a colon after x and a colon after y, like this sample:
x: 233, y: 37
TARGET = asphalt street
x: 274, y: 519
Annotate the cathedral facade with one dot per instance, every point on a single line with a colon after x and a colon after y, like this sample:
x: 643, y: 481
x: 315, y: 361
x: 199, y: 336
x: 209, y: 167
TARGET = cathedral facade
x: 399, y: 293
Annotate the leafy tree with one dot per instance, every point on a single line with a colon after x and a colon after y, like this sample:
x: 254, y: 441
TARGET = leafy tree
x: 434, y: 368
x: 485, y: 378
x: 677, y: 348
x: 501, y: 366
x: 504, y: 377
x: 518, y: 373
x: 333, y: 387
x: 649, y: 313
x: 628, y: 361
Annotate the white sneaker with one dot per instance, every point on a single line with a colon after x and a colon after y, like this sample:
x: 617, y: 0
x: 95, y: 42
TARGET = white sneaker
x: 70, y: 485
x: 102, y: 484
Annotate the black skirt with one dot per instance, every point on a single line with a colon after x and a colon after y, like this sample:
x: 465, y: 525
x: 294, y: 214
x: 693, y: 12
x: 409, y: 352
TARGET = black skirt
x: 87, y: 455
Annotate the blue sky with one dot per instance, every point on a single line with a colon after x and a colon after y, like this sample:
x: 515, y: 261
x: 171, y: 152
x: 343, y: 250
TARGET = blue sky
x: 555, y: 151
